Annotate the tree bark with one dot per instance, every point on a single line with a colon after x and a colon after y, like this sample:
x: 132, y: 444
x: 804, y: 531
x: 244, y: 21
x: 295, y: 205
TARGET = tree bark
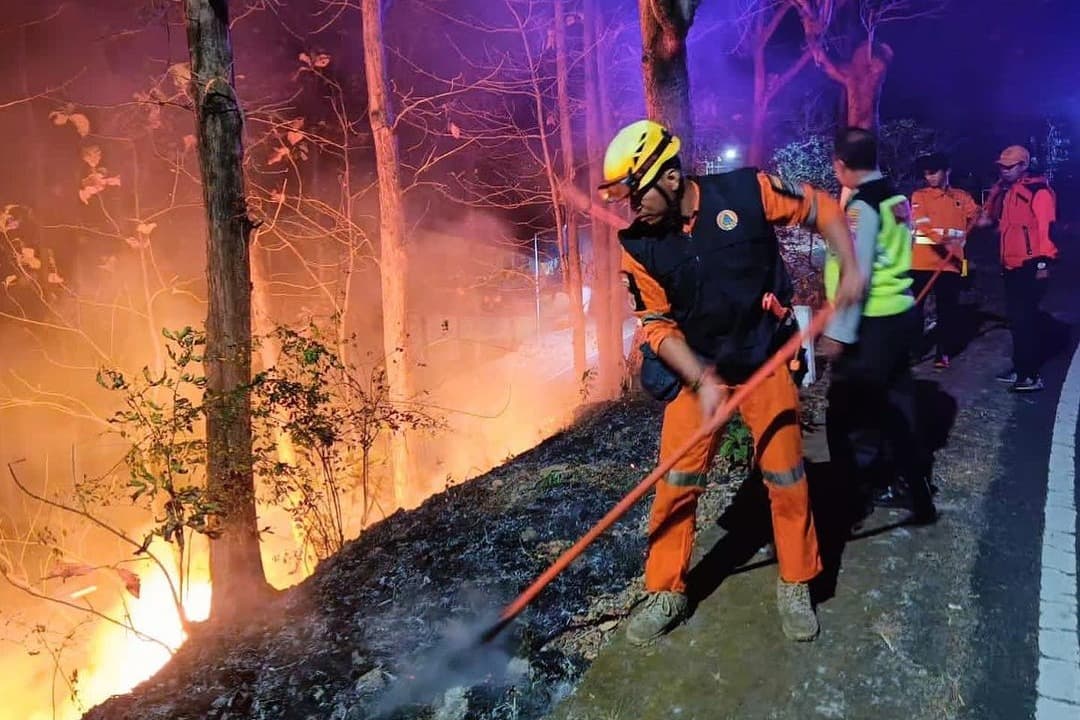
x: 236, y: 567
x: 861, y: 78
x: 605, y: 253
x: 766, y: 87
x: 566, y: 142
x: 664, y: 27
x: 393, y: 252
x: 864, y: 78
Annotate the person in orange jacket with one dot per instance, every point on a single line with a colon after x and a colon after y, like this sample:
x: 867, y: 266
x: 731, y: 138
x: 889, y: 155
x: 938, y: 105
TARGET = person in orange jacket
x: 1025, y: 209
x: 700, y: 262
x: 943, y: 216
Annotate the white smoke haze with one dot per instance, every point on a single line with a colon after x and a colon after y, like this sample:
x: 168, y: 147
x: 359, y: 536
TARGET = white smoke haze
x: 459, y: 660
x: 106, y: 248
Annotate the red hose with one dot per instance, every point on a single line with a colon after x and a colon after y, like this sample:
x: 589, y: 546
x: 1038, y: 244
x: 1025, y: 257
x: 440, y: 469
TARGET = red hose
x: 722, y: 415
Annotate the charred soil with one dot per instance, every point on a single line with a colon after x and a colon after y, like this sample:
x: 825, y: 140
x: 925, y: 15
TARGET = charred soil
x: 383, y: 628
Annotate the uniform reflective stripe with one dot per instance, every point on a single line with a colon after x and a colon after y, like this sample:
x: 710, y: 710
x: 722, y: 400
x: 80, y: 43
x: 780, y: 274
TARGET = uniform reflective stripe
x: 786, y: 477
x: 654, y: 317
x: 922, y: 221
x: 682, y: 478
x: 924, y: 240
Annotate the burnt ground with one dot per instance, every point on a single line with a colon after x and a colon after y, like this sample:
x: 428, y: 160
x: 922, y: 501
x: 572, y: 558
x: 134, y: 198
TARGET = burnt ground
x: 917, y: 622
x: 379, y: 622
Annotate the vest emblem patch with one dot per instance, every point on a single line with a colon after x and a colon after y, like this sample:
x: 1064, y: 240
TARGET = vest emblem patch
x: 727, y: 220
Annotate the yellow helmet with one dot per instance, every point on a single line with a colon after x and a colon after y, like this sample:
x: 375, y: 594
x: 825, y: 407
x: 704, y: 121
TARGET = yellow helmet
x: 634, y: 158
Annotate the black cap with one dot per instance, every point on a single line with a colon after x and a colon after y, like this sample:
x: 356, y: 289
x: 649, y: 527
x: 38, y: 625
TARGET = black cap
x: 932, y: 162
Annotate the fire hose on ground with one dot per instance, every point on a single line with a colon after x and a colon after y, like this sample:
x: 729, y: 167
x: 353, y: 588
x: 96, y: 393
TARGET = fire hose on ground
x: 719, y: 418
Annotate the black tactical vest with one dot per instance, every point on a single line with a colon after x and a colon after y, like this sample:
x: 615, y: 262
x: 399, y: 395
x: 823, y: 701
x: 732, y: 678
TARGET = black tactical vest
x: 716, y: 277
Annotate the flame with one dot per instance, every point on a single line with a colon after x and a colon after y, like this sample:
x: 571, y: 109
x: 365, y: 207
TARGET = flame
x: 121, y: 659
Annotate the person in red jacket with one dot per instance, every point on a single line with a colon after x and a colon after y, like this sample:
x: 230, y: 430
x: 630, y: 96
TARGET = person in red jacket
x: 1025, y: 208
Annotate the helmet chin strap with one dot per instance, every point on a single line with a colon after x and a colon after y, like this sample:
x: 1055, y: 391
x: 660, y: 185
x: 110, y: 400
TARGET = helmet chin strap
x: 673, y: 212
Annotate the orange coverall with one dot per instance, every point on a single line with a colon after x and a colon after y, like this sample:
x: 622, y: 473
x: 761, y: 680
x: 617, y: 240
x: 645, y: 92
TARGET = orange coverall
x: 770, y: 412
x: 941, y: 215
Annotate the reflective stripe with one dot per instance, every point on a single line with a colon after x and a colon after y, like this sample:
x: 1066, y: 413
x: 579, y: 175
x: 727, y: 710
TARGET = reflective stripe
x: 683, y: 478
x: 786, y: 477
x: 924, y: 240
x: 922, y: 221
x: 655, y: 317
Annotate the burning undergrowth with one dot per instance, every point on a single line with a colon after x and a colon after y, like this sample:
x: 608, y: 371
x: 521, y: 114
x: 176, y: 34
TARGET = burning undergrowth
x: 386, y: 628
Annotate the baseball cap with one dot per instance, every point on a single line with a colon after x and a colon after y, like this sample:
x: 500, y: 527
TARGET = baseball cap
x: 1014, y: 155
x: 932, y: 162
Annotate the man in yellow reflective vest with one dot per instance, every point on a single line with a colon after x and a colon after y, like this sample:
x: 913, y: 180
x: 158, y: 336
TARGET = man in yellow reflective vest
x: 870, y: 423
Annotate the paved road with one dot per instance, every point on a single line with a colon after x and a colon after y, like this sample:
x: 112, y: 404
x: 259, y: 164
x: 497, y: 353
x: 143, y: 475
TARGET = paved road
x: 974, y: 617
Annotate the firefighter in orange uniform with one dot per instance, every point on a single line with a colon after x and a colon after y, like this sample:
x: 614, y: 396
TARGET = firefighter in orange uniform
x: 943, y: 215
x: 1025, y: 209
x: 699, y: 259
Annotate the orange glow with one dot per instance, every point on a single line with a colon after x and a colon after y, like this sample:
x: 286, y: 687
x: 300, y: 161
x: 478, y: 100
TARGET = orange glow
x: 120, y: 659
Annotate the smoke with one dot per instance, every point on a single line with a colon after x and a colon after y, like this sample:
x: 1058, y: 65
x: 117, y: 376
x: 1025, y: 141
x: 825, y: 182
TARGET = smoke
x: 459, y: 659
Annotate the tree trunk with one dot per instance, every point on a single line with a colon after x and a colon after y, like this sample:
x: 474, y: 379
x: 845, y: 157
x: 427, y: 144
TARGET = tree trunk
x: 269, y: 348
x: 605, y: 257
x: 864, y: 78
x: 758, y: 112
x: 861, y: 78
x: 664, y: 27
x: 618, y: 304
x: 766, y: 87
x: 392, y: 250
x: 566, y: 142
x: 236, y: 568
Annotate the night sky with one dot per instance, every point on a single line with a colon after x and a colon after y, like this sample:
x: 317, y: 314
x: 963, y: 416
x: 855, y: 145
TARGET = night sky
x: 1011, y: 60
x: 987, y: 73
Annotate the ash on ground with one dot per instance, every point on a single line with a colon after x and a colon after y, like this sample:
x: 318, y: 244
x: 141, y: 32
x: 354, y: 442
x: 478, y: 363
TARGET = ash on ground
x: 388, y: 627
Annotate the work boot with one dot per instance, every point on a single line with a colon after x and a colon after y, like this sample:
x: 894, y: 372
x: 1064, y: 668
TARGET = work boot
x: 1028, y: 384
x: 1009, y: 376
x: 797, y: 615
x: 941, y: 362
x: 659, y: 614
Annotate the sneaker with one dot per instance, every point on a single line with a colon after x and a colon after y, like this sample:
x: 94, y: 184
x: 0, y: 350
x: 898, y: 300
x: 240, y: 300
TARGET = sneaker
x: 941, y: 362
x: 797, y: 616
x: 1028, y: 384
x: 1009, y: 376
x: 900, y: 495
x: 658, y: 615
x: 896, y: 496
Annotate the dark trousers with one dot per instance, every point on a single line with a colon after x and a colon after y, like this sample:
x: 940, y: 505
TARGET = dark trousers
x: 946, y: 292
x: 871, y: 422
x: 1024, y: 292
